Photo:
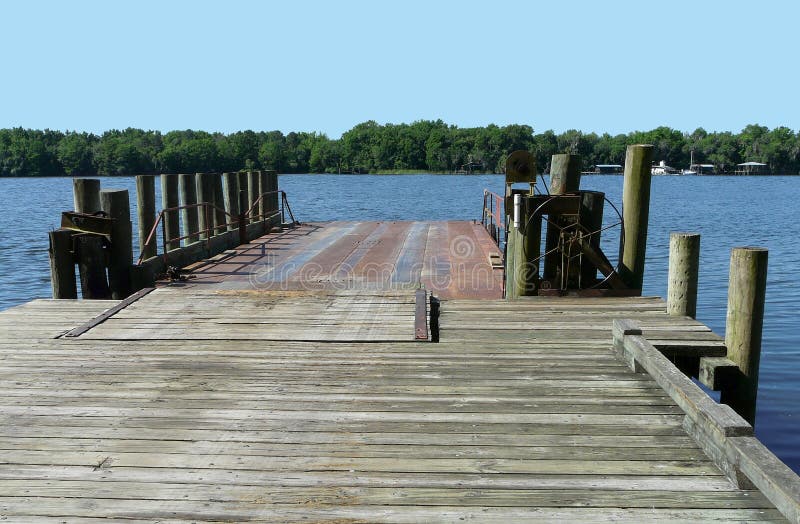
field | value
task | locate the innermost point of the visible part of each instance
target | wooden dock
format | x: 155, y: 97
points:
x: 284, y: 383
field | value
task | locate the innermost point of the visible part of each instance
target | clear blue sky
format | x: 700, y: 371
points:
x: 328, y: 65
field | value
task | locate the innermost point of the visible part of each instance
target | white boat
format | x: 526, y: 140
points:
x: 663, y: 169
x: 698, y: 169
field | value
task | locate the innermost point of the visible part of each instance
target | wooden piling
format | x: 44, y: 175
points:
x: 231, y: 197
x: 565, y: 174
x: 86, y: 195
x: 684, y: 265
x: 242, y: 222
x: 522, y: 251
x: 263, y: 187
x: 92, y: 267
x: 273, y: 200
x: 146, y: 212
x: 205, y: 194
x: 62, y: 264
x: 514, y: 252
x: 635, y: 213
x: 189, y: 215
x: 565, y: 177
x: 170, y: 199
x: 116, y: 203
x: 591, y: 221
x: 747, y: 288
x: 220, y: 219
x: 243, y: 183
x: 252, y: 193
x: 531, y: 247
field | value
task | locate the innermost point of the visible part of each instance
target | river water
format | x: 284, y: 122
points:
x: 726, y: 211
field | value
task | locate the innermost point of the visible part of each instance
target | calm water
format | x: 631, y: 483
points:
x: 727, y: 211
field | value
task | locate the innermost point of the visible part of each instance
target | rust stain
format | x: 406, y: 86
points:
x: 451, y: 260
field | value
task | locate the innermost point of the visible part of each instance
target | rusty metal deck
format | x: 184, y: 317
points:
x: 449, y: 259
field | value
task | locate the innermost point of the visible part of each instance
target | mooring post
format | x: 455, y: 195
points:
x: 62, y: 264
x: 205, y: 195
x: 92, y: 267
x: 747, y: 287
x: 219, y: 205
x: 242, y: 222
x: 243, y: 183
x: 684, y: 266
x: 116, y: 203
x: 272, y: 185
x: 520, y: 276
x: 522, y: 248
x: 635, y: 213
x: 169, y: 199
x: 591, y: 219
x: 231, y: 190
x: 514, y: 250
x: 86, y: 195
x: 565, y: 174
x: 531, y: 246
x: 253, y: 193
x: 565, y: 177
x: 146, y: 211
x: 188, y: 190
x: 263, y: 187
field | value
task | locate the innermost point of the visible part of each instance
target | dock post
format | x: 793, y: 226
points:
x: 635, y: 213
x: 684, y: 264
x: 565, y: 177
x: 116, y: 203
x: 188, y: 190
x: 219, y: 204
x: 242, y: 222
x: 231, y: 193
x: 205, y: 194
x: 244, y: 205
x: 62, y: 264
x: 521, y: 274
x: 86, y: 195
x: 531, y: 246
x: 514, y: 250
x: 591, y: 218
x: 169, y: 199
x: 565, y: 174
x: 263, y: 187
x: 273, y: 199
x: 92, y: 267
x: 522, y: 248
x: 253, y: 193
x: 146, y: 211
x: 747, y: 287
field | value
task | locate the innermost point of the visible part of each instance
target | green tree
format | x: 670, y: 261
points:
x: 74, y: 153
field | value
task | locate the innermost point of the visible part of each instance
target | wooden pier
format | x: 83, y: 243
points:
x: 284, y: 381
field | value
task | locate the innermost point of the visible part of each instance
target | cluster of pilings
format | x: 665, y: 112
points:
x: 530, y: 272
x: 736, y: 375
x: 201, y: 215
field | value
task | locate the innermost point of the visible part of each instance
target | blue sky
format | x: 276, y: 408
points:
x: 325, y: 66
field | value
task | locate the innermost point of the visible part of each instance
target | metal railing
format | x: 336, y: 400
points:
x: 209, y: 211
x: 492, y: 215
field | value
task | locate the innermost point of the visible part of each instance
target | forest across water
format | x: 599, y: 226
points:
x: 422, y: 146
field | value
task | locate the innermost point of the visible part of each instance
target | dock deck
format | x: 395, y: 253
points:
x: 292, y: 399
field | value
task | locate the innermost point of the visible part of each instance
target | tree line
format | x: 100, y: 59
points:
x: 425, y: 145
